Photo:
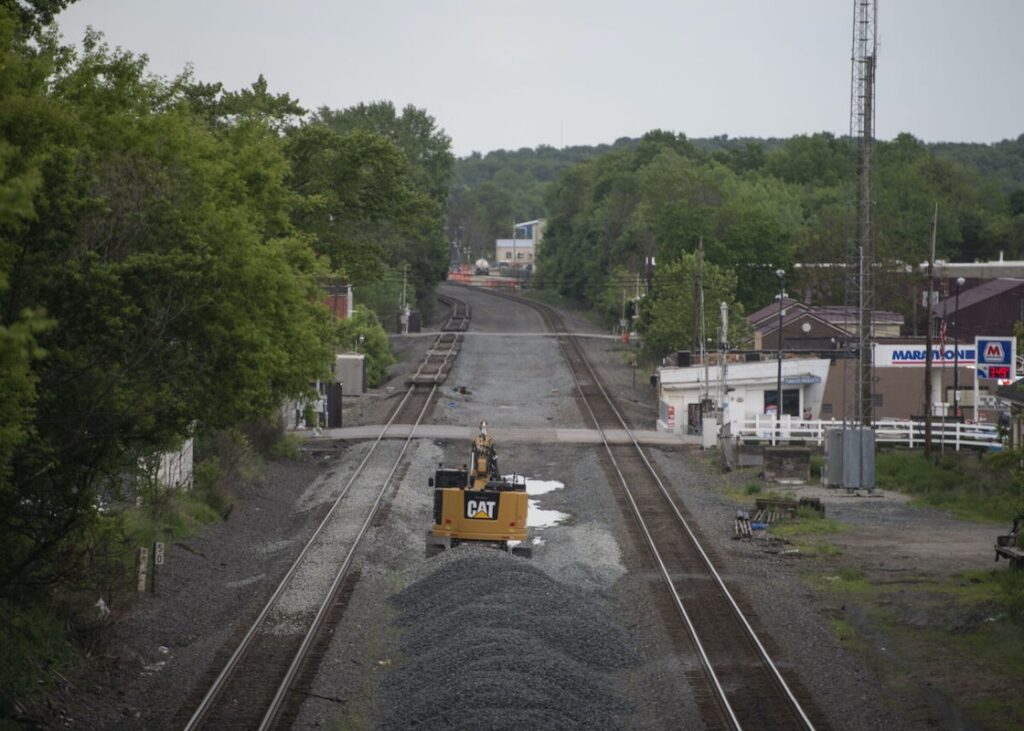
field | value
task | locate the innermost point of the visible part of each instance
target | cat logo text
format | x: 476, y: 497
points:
x: 481, y: 509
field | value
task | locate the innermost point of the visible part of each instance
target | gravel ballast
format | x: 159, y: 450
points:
x: 492, y: 642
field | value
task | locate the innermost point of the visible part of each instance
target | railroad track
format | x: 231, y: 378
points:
x: 255, y: 687
x: 458, y: 318
x: 439, y: 359
x: 743, y: 688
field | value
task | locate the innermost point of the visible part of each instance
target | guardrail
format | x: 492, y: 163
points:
x: 888, y: 431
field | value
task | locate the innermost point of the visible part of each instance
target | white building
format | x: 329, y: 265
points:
x: 521, y: 250
x: 749, y: 392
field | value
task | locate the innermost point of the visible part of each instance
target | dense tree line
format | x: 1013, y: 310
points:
x: 1003, y: 161
x: 163, y: 250
x: 758, y: 204
x: 757, y: 209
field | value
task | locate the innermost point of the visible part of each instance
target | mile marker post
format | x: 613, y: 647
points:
x: 158, y: 560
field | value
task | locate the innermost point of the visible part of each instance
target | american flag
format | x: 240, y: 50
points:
x: 942, y: 340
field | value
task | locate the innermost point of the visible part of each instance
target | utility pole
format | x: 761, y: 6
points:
x: 405, y: 303
x: 723, y: 357
x: 928, y: 342
x: 696, y: 342
x: 515, y: 256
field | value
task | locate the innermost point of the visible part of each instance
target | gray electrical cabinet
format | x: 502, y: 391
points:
x: 849, y: 458
x: 350, y: 369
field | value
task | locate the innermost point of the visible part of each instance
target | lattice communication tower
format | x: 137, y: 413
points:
x: 860, y: 253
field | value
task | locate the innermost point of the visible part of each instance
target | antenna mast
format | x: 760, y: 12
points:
x: 860, y: 280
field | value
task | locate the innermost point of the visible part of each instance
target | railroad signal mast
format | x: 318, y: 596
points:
x: 860, y: 254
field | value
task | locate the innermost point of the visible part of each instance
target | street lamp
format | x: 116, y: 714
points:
x: 956, y: 348
x: 781, y: 274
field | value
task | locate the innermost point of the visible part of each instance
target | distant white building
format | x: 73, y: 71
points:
x: 521, y: 250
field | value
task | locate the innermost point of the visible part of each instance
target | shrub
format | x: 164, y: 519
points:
x: 33, y: 645
x: 286, y: 447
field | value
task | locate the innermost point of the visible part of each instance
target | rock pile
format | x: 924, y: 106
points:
x: 492, y: 642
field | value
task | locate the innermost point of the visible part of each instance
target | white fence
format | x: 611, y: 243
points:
x: 887, y: 431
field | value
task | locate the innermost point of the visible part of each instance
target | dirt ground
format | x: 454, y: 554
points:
x: 874, y: 620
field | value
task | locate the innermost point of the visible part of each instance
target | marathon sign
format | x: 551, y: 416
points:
x: 997, y: 357
x: 916, y: 355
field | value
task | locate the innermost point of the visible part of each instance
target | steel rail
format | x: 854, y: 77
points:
x: 549, y: 314
x: 712, y: 571
x: 314, y: 629
x: 232, y: 662
x: 662, y: 568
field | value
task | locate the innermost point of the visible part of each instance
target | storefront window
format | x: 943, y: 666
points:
x: 790, y: 401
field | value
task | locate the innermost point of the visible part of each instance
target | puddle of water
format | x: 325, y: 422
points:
x: 537, y: 517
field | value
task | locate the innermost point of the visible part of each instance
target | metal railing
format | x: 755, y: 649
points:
x: 888, y: 431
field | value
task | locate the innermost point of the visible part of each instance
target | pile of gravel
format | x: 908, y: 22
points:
x: 492, y: 642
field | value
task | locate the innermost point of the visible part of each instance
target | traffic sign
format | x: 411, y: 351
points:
x: 996, y: 357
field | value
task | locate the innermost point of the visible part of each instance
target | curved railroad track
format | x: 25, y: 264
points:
x: 744, y: 686
x: 254, y: 687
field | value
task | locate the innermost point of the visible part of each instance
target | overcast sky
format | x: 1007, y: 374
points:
x: 519, y: 73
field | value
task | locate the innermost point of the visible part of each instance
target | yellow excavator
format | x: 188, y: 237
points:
x: 477, y: 505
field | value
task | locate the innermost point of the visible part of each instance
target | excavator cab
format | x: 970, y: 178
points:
x: 477, y: 505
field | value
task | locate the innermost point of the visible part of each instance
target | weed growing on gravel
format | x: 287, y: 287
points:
x: 829, y: 549
x: 752, y: 488
x: 846, y: 580
x: 808, y: 522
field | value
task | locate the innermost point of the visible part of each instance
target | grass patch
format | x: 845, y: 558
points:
x: 181, y: 513
x: 805, y: 533
x: 1002, y: 587
x: 987, y: 489
x: 808, y: 522
x: 752, y: 488
x: 844, y: 630
x: 822, y: 549
x: 846, y: 581
x: 817, y: 463
x: 968, y: 627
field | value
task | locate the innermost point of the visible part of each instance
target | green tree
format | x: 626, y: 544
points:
x: 660, y: 200
x: 666, y: 319
x: 363, y: 331
x: 162, y: 251
x: 376, y: 183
